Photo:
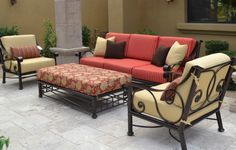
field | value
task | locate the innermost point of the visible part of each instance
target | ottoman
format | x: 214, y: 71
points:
x: 101, y: 89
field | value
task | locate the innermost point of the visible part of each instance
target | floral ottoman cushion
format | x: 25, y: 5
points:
x: 85, y: 79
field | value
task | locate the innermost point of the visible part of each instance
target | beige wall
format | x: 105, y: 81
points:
x: 164, y: 18
x: 128, y: 16
x: 95, y: 14
x: 28, y: 15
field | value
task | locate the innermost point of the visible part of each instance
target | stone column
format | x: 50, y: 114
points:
x: 68, y: 30
x: 232, y: 107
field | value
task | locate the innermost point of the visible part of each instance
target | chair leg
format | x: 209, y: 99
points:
x: 130, y: 125
x: 40, y: 90
x: 219, y: 121
x: 20, y: 82
x: 182, y: 140
x: 3, y: 77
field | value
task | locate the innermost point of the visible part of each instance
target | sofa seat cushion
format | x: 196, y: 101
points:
x: 169, y: 41
x: 93, y: 61
x: 125, y: 65
x: 30, y: 65
x: 150, y: 73
x: 170, y: 112
x: 142, y: 46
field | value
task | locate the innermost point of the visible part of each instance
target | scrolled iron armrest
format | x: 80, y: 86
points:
x: 80, y: 54
x: 141, y: 104
x: 55, y: 54
x: 169, y: 73
x: 19, y: 59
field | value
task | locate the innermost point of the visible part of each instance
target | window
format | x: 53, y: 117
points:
x: 212, y: 11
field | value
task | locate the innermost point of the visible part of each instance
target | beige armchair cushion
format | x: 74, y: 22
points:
x: 17, y: 41
x: 170, y: 112
x: 29, y: 65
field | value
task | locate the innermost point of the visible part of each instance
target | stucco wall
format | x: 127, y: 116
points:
x: 95, y: 14
x: 28, y: 15
x: 164, y: 18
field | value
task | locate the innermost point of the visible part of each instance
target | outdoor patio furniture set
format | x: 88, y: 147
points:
x: 176, y: 93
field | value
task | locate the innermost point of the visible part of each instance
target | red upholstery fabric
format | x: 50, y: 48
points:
x: 169, y: 41
x: 93, y: 61
x: 120, y: 37
x: 142, y: 46
x: 149, y: 72
x: 124, y: 65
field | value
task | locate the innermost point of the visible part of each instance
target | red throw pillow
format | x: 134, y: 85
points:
x: 25, y: 52
x: 168, y: 95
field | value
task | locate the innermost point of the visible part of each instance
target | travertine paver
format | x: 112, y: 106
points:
x: 46, y: 124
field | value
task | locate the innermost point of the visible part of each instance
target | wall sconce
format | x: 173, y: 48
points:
x: 168, y: 1
x: 13, y: 2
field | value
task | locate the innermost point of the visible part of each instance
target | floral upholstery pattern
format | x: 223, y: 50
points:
x: 85, y: 79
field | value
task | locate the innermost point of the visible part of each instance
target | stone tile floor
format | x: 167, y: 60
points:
x: 45, y: 124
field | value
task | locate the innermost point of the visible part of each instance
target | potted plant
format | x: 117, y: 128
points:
x: 4, y: 142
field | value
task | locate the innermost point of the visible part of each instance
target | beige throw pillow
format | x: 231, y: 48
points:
x: 176, y: 53
x: 101, y: 46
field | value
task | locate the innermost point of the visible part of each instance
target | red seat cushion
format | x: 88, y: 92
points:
x: 124, y: 65
x: 93, y: 61
x: 169, y: 41
x: 142, y: 46
x: 149, y: 72
x: 120, y: 37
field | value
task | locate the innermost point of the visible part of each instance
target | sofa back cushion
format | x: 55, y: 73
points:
x: 120, y: 37
x: 169, y: 41
x: 17, y: 41
x: 142, y: 46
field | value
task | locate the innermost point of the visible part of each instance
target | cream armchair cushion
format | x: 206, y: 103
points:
x: 172, y: 113
x: 17, y: 41
x: 30, y: 65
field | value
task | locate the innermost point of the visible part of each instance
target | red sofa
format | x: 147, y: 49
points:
x: 138, y: 52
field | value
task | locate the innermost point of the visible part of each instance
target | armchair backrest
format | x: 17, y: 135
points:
x: 208, y: 74
x: 17, y: 41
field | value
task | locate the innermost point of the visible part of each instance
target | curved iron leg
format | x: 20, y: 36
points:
x: 3, y: 77
x: 182, y: 140
x: 219, y: 121
x: 130, y: 125
x: 40, y: 90
x: 20, y: 82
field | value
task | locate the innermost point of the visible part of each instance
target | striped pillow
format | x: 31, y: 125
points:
x: 25, y: 52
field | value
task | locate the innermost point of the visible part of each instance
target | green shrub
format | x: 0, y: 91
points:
x: 49, y: 39
x: 215, y: 46
x: 147, y: 31
x: 4, y: 141
x: 86, y: 33
x: 9, y: 31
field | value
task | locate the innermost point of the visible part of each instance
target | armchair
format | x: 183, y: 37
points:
x: 18, y: 65
x: 198, y: 95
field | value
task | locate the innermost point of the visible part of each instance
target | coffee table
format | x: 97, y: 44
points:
x: 94, y: 89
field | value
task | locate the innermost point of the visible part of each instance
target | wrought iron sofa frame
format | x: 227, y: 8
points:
x: 192, y: 96
x: 17, y: 72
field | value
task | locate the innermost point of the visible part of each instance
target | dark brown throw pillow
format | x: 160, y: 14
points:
x: 25, y: 52
x: 115, y: 50
x: 169, y: 94
x: 160, y: 55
